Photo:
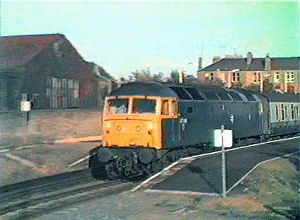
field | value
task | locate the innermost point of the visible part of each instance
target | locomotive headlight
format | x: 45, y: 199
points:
x: 107, y: 127
x: 118, y: 128
x: 149, y: 127
x: 138, y: 128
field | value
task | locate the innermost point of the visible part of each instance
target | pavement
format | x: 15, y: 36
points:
x: 204, y: 175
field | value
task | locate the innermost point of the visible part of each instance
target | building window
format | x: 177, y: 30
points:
x: 236, y: 77
x: 259, y: 77
x: 282, y: 112
x: 211, y: 76
x: 255, y: 77
x: 277, y: 76
x: 292, y: 76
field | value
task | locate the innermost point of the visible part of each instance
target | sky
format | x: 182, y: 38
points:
x: 126, y: 36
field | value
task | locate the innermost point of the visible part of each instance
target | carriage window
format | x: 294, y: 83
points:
x: 165, y: 107
x: 282, y: 112
x: 277, y: 113
x: 117, y: 106
x: 143, y: 106
x: 292, y: 111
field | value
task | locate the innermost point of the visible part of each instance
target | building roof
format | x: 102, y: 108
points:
x: 16, y: 51
x: 257, y: 64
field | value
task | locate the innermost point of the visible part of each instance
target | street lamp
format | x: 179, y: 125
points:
x: 181, y: 73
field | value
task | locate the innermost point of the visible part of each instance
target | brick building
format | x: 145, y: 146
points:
x: 282, y: 72
x: 48, y: 70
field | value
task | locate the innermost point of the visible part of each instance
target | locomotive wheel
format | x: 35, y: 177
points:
x: 127, y: 167
x: 111, y: 171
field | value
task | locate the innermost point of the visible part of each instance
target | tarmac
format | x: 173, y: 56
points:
x: 203, y: 175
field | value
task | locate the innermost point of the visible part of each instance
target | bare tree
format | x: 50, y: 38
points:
x: 146, y: 75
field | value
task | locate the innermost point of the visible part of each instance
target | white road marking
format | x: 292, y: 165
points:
x: 154, y: 176
x: 180, y: 192
x: 20, y: 148
x: 214, y: 194
x: 21, y: 160
x: 79, y: 161
x: 3, y: 151
x: 203, y: 155
x: 257, y: 165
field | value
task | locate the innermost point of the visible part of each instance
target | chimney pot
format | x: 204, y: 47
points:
x: 249, y: 59
x: 199, y: 63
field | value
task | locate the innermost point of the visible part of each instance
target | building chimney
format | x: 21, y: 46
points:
x: 267, y: 62
x: 216, y: 59
x: 199, y: 63
x: 249, y: 59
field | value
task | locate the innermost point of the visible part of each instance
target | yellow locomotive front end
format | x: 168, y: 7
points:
x: 136, y: 121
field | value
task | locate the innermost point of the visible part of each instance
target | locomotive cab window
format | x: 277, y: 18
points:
x: 117, y: 106
x: 143, y: 106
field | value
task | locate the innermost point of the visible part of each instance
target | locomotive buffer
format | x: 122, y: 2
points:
x: 223, y: 139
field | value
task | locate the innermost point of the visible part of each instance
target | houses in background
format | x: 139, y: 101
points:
x: 47, y: 70
x: 283, y: 73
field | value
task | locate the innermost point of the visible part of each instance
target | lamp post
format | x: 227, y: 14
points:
x: 182, y: 72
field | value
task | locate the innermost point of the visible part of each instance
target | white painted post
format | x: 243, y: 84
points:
x: 223, y: 164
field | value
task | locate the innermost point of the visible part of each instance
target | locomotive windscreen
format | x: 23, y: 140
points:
x: 143, y: 106
x: 139, y: 106
x: 118, y: 106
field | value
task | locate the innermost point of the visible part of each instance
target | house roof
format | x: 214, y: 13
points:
x: 16, y: 51
x: 257, y: 64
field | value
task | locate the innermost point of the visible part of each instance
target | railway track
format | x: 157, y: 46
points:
x: 32, y: 198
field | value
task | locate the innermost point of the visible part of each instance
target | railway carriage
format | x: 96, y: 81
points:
x: 147, y: 125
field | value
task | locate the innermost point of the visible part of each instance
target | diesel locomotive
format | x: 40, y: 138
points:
x: 147, y: 125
